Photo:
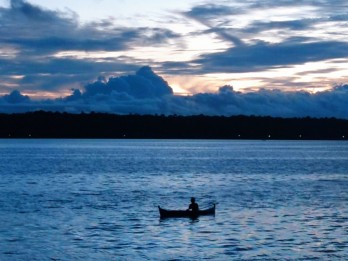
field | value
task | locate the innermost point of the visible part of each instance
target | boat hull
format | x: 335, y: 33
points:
x: 164, y: 213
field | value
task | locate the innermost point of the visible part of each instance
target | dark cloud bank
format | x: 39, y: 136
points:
x: 32, y: 37
x: 147, y: 93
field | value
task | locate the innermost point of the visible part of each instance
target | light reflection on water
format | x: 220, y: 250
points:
x: 97, y: 199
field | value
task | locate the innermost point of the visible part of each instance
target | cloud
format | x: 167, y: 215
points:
x: 144, y: 92
x: 32, y: 39
x: 45, y: 50
x: 292, y: 25
x: 210, y: 10
x: 16, y: 97
x: 34, y: 30
x: 144, y: 84
x: 278, y: 40
x: 264, y: 56
x: 207, y: 13
x: 147, y: 93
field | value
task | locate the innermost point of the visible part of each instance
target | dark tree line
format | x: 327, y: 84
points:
x: 102, y: 125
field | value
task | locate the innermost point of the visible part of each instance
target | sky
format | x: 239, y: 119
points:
x: 255, y: 57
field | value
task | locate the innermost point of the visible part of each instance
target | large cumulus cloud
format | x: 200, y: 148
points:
x: 145, y: 92
x: 144, y: 84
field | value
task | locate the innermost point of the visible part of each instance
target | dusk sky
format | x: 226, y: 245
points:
x: 278, y: 58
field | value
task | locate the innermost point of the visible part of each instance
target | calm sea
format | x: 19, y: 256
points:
x: 97, y: 199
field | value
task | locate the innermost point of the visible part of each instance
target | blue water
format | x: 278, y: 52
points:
x: 96, y: 200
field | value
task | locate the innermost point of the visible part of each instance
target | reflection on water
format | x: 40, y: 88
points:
x: 97, y: 200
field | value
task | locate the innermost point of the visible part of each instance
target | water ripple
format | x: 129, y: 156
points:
x: 97, y: 200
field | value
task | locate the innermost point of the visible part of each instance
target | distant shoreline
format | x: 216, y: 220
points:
x: 43, y: 124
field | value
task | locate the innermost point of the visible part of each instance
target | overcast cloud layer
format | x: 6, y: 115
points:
x: 50, y: 52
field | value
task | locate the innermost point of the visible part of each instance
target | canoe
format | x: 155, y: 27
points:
x: 164, y: 213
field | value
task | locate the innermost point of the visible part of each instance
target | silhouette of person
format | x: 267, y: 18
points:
x: 193, y: 206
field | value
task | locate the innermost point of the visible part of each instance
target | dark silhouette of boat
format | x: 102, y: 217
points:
x: 164, y: 213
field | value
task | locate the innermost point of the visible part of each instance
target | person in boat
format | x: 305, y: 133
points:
x: 193, y: 206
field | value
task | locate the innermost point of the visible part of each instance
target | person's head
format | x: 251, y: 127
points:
x: 193, y: 200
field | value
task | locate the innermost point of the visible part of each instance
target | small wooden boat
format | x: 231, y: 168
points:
x: 164, y: 213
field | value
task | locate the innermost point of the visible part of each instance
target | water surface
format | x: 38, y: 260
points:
x: 96, y: 199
